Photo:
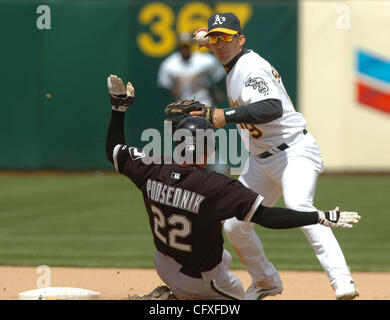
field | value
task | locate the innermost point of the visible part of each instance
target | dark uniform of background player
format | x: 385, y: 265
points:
x: 187, y: 232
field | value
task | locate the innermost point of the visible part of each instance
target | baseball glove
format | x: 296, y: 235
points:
x: 180, y: 109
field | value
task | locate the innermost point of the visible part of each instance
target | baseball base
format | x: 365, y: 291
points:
x: 59, y: 293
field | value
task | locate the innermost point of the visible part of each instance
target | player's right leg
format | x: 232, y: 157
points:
x: 223, y: 284
x: 299, y: 182
x: 247, y: 245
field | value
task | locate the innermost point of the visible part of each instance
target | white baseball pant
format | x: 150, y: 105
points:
x: 292, y: 173
x: 217, y: 284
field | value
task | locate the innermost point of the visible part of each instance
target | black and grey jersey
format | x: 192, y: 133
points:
x: 186, y: 206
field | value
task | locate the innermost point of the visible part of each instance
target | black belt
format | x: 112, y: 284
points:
x: 282, y: 147
x: 191, y: 273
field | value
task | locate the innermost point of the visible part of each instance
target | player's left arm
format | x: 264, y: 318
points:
x: 258, y: 112
x: 246, y: 205
x: 284, y: 218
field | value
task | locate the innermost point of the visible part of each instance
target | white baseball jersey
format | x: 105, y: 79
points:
x: 253, y: 79
x: 198, y: 73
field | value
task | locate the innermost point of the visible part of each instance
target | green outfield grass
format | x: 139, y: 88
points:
x: 98, y: 220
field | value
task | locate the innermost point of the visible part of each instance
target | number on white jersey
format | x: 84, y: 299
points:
x: 254, y: 131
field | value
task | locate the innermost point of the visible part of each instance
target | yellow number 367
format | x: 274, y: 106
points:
x: 161, y: 38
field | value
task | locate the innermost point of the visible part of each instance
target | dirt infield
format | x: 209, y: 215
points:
x: 118, y: 284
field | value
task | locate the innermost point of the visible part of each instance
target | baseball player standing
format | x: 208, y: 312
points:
x: 284, y: 158
x: 188, y: 75
x: 185, y: 215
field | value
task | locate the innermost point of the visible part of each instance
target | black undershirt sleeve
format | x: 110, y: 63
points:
x: 283, y: 218
x: 115, y: 134
x: 255, y: 113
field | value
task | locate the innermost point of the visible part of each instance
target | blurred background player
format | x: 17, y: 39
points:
x: 188, y: 74
x: 284, y: 158
x: 185, y: 216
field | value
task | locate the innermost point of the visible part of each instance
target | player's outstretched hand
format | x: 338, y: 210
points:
x: 338, y: 219
x: 121, y: 96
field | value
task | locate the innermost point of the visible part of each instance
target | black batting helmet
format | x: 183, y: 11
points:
x: 194, y: 138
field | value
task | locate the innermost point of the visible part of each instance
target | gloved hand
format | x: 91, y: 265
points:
x: 338, y: 219
x: 121, y: 96
x: 178, y: 110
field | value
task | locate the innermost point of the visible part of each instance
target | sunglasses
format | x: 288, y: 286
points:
x: 223, y: 37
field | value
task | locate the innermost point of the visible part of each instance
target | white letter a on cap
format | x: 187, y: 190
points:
x: 218, y: 19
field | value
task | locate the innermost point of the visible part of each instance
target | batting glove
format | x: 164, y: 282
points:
x: 338, y: 219
x: 121, y: 96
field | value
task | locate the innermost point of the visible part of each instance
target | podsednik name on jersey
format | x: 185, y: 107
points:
x: 174, y: 197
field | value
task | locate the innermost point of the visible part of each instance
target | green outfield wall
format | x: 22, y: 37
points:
x: 54, y: 62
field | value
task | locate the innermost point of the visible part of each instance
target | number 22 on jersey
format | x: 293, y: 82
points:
x: 182, y: 227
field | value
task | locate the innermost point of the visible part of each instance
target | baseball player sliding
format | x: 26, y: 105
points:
x: 284, y: 158
x: 185, y: 215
